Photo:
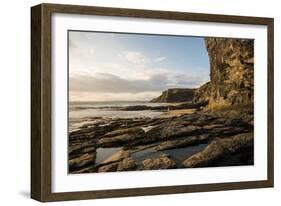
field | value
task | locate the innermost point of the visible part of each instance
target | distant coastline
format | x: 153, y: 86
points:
x: 84, y: 112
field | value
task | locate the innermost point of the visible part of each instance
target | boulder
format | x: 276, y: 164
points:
x: 179, y: 129
x: 117, y: 156
x: 88, y: 169
x: 78, y: 150
x: 81, y: 161
x: 162, y: 162
x: 221, y: 150
x: 108, y: 168
x: 119, y: 132
x: 126, y: 164
x: 187, y: 141
x: 123, y: 137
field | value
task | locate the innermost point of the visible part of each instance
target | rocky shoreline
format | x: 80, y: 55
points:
x: 182, y: 105
x: 202, y: 139
x: 212, y: 126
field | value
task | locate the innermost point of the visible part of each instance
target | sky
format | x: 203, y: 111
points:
x: 133, y: 67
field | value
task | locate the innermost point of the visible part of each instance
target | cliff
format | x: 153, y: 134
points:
x: 231, y: 72
x: 176, y: 95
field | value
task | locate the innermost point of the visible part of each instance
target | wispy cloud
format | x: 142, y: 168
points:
x: 111, y: 96
x: 104, y: 86
x: 136, y: 57
x: 104, y: 82
x: 159, y: 59
x: 139, y: 58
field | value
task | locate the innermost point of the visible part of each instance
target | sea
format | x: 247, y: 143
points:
x: 87, y: 112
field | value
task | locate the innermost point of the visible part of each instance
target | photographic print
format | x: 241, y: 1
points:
x: 130, y: 102
x: 150, y: 102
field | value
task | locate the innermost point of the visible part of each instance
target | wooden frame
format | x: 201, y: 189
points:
x: 41, y: 102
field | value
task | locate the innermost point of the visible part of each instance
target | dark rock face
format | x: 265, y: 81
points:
x: 228, y: 151
x: 184, y: 142
x: 176, y: 95
x: 121, y: 137
x: 231, y: 72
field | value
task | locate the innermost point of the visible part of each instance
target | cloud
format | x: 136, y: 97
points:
x: 109, y: 83
x: 104, y: 83
x: 94, y: 96
x: 135, y: 57
x: 110, y: 87
x: 192, y: 80
x: 159, y: 59
x: 139, y: 58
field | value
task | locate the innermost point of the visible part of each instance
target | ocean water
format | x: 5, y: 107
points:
x: 84, y: 112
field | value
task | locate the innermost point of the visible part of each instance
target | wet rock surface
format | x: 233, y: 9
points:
x: 230, y: 151
x: 81, y: 162
x: 145, y: 142
x: 179, y: 143
x: 108, y: 168
x: 162, y: 162
x: 126, y: 164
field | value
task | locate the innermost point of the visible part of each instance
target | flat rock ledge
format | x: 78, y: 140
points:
x: 225, y: 150
x: 162, y: 162
x: 227, y: 134
x: 127, y: 164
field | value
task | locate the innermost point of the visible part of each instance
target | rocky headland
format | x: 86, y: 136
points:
x: 176, y: 95
x: 218, y: 131
x: 231, y: 73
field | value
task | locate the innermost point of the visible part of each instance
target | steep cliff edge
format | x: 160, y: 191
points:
x: 176, y: 95
x: 231, y: 73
